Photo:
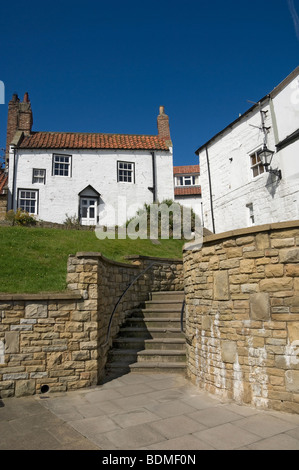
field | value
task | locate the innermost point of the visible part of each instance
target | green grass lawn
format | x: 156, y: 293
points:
x: 34, y: 260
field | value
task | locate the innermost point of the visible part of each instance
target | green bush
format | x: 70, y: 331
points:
x: 72, y: 222
x: 20, y: 217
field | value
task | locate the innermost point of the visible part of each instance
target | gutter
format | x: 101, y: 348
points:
x: 210, y: 190
x: 288, y: 140
x: 13, y: 179
x: 153, y: 189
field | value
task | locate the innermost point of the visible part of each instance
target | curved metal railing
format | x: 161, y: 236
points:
x: 124, y: 293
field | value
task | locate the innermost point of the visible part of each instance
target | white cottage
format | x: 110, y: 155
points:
x: 239, y: 188
x: 187, y: 190
x: 55, y: 175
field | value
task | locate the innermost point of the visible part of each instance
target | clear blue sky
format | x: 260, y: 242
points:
x: 99, y: 66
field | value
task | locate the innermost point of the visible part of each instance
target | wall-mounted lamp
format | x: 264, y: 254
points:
x: 266, y: 156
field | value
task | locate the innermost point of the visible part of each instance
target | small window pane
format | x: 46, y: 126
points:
x: 125, y: 172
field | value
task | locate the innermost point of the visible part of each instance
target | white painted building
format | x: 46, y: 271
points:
x: 187, y: 190
x: 98, y: 178
x: 237, y: 190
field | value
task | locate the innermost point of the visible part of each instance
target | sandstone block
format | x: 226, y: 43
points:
x: 259, y: 306
x: 24, y: 388
x: 206, y: 322
x: 228, y: 351
x: 262, y: 241
x: 12, y: 342
x: 229, y: 264
x: 274, y: 270
x: 247, y: 266
x: 293, y: 331
x: 289, y: 255
x: 221, y: 286
x: 244, y: 240
x: 36, y: 310
x: 292, y: 380
x: 275, y: 285
x: 282, y: 242
x: 292, y: 270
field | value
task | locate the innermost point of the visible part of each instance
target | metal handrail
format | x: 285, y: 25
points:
x: 182, y: 316
x: 122, y: 295
x: 125, y: 291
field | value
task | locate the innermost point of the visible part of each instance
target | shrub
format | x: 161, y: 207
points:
x: 20, y: 217
x: 72, y: 221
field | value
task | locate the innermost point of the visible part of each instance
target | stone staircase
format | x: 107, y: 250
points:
x: 151, y: 338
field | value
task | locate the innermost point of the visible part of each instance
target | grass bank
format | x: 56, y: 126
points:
x: 35, y: 259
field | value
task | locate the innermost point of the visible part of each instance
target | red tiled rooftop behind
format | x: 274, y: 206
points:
x: 71, y: 140
x: 187, y: 191
x: 187, y: 169
x: 3, y: 180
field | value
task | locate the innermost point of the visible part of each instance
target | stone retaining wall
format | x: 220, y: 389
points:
x: 111, y: 280
x: 3, y: 206
x: 60, y: 340
x: 242, y: 315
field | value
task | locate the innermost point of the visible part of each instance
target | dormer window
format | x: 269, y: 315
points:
x: 187, y: 180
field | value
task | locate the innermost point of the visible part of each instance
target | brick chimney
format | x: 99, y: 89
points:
x: 163, y: 124
x: 19, y: 118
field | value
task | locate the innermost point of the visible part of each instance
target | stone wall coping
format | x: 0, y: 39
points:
x: 91, y: 254
x: 42, y: 296
x: 153, y: 258
x: 94, y: 254
x: 249, y: 231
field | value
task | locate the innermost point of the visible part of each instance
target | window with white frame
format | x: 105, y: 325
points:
x: 250, y: 213
x: 126, y: 172
x: 27, y: 200
x: 39, y: 176
x: 62, y: 165
x: 257, y: 167
x: 187, y: 180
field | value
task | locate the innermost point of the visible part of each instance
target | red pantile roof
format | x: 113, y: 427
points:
x: 3, y: 180
x: 187, y: 191
x: 74, y: 140
x: 186, y: 170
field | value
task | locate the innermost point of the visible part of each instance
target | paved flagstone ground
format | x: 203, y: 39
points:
x: 141, y: 411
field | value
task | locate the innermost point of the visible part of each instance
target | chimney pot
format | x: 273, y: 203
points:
x: 163, y: 124
x: 26, y: 97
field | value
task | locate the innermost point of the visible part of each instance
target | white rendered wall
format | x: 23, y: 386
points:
x: 193, y: 202
x: 233, y: 186
x: 60, y: 195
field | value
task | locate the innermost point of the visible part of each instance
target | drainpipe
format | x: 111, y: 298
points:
x: 154, y: 188
x: 13, y: 179
x: 210, y: 189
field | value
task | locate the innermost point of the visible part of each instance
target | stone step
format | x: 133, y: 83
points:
x: 163, y: 304
x: 153, y: 355
x: 153, y: 322
x: 168, y: 295
x: 156, y: 313
x: 151, y: 338
x: 117, y: 369
x: 163, y: 308
x: 157, y: 343
x: 151, y: 333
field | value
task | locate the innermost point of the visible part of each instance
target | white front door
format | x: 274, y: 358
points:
x: 88, y: 210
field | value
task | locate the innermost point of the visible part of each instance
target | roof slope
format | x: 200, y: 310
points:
x: 3, y: 180
x: 271, y: 95
x: 186, y: 170
x: 76, y: 140
x: 187, y: 191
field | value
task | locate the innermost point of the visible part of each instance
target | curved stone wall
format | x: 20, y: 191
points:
x: 242, y: 315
